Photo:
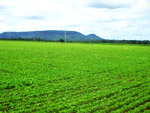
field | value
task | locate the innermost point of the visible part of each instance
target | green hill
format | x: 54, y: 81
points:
x: 50, y: 35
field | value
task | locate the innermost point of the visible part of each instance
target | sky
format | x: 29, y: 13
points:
x: 109, y: 19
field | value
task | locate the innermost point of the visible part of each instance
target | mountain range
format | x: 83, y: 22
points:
x: 51, y: 35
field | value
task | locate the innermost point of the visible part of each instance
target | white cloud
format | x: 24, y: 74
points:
x: 2, y: 17
x: 113, y: 19
x: 111, y: 4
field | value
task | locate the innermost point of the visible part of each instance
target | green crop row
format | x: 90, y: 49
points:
x: 73, y: 77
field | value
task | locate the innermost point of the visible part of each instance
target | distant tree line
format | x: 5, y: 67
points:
x: 83, y: 41
x: 125, y: 41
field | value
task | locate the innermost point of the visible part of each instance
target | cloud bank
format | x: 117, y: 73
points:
x: 111, y: 4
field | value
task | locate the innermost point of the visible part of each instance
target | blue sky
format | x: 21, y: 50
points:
x: 109, y: 19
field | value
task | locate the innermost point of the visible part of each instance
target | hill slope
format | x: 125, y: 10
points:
x: 50, y: 35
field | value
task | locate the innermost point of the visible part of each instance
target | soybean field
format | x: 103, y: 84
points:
x: 74, y: 77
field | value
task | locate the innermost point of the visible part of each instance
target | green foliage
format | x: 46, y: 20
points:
x: 74, y: 77
x: 61, y: 40
x: 142, y: 42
